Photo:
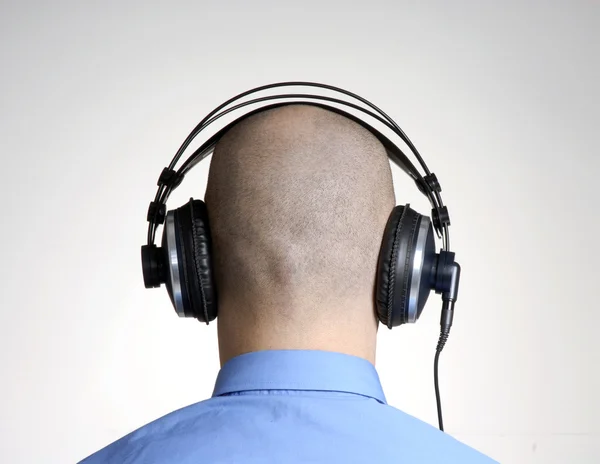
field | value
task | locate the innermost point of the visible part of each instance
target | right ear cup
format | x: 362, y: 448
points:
x: 406, y: 266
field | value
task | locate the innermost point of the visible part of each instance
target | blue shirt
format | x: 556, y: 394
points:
x: 290, y: 406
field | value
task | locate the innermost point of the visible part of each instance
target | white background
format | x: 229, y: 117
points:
x: 501, y: 98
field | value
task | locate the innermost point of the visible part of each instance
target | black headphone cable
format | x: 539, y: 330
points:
x: 445, y: 324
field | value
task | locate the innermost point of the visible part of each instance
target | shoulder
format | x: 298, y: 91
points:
x: 154, y: 440
x: 333, y: 425
x: 419, y: 441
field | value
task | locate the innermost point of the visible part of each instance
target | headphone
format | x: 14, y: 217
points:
x: 408, y: 267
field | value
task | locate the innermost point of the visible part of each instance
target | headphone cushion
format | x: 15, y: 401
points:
x: 199, y: 292
x: 395, y: 266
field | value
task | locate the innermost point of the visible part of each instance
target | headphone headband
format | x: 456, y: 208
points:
x: 394, y: 153
x: 427, y: 184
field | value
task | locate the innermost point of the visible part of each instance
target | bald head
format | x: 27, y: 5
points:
x: 298, y: 198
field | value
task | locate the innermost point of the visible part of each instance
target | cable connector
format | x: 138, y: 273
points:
x: 447, y: 276
x: 445, y: 324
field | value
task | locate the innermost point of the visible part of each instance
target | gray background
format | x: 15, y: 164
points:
x: 502, y: 100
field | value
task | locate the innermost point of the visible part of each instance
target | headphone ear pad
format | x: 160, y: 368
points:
x: 194, y: 240
x: 406, y: 233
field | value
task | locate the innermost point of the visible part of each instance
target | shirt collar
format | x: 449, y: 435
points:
x: 299, y: 370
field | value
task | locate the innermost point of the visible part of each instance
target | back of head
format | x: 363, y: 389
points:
x: 298, y: 198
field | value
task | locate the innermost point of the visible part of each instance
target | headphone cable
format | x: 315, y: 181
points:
x: 445, y: 323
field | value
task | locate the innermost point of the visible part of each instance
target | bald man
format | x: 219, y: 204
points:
x: 298, y: 198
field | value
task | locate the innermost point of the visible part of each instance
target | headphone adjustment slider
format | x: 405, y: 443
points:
x: 156, y: 212
x: 431, y: 181
x: 169, y: 178
x: 440, y: 217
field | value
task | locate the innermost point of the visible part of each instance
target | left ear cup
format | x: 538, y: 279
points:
x: 194, y: 247
x: 405, y: 268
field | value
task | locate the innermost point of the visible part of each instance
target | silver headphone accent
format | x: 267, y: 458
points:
x: 173, y: 264
x: 418, y: 259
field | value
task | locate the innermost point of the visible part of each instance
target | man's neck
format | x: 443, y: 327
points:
x: 238, y: 337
